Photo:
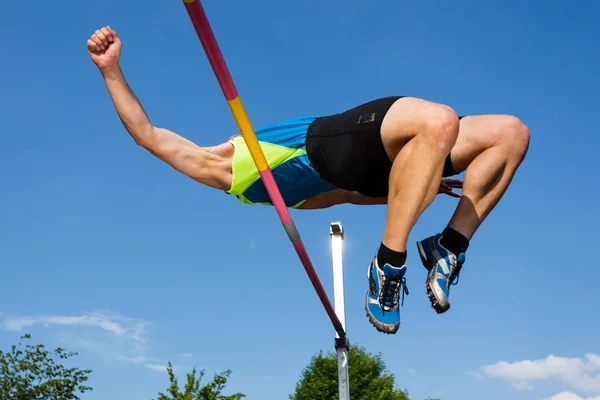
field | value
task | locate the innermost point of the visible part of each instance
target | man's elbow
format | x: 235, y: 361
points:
x: 147, y: 137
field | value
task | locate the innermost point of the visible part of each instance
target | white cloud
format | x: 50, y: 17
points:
x: 103, y: 333
x: 187, y: 355
x: 581, y: 374
x: 114, y: 324
x: 19, y: 323
x: 570, y: 396
x: 136, y: 359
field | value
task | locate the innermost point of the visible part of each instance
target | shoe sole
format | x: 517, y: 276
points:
x: 435, y: 304
x: 374, y: 323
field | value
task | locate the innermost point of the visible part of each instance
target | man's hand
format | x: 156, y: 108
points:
x: 105, y: 48
x: 447, y: 185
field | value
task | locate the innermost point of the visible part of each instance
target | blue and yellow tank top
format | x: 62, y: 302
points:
x: 284, y: 146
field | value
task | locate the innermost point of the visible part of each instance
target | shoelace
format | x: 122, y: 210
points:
x: 390, y: 293
x: 455, y: 273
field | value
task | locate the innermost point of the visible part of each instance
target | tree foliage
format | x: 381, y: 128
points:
x: 369, y: 379
x: 31, y: 373
x: 194, y: 390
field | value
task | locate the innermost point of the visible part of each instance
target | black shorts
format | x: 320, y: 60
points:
x: 347, y: 150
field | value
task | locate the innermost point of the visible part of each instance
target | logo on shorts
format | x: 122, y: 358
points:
x: 369, y: 117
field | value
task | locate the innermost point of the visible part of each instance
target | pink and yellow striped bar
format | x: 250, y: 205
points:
x: 215, y: 57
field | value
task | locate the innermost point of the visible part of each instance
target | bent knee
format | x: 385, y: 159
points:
x: 515, y: 135
x: 411, y: 117
x: 442, y: 126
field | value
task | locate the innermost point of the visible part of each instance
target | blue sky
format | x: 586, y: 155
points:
x: 109, y: 252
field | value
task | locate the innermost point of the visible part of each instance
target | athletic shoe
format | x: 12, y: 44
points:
x: 444, y: 267
x: 385, y: 285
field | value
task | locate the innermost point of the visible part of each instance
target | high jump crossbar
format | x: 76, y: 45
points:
x: 217, y: 62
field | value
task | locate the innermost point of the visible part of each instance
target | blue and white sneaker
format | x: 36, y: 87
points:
x: 385, y: 285
x: 444, y: 267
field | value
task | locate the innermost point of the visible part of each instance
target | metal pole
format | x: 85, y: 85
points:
x: 342, y: 345
x: 215, y: 57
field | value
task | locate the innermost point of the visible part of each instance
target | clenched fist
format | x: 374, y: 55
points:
x: 105, y: 48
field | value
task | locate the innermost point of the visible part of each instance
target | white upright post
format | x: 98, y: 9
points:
x: 341, y: 344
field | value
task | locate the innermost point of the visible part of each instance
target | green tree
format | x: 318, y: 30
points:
x: 194, y: 390
x: 31, y: 373
x: 369, y: 379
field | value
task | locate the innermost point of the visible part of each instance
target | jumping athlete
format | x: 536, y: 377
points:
x: 392, y: 150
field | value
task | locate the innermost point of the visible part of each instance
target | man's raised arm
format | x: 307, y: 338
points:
x: 198, y: 163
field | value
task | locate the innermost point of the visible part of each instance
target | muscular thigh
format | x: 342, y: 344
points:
x: 410, y: 116
x: 354, y: 149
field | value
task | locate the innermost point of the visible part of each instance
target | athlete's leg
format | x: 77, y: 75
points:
x: 418, y: 136
x: 489, y: 148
